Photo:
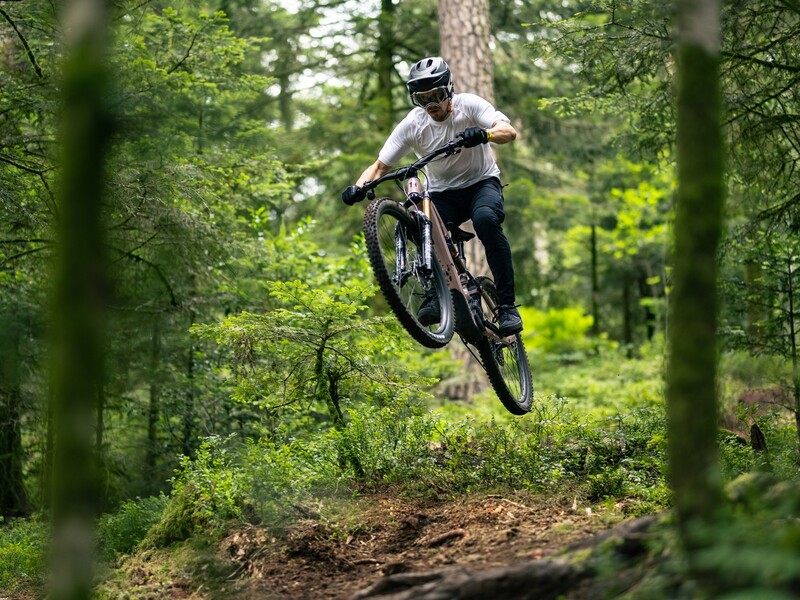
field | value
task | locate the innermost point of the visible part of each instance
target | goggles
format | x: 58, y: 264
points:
x: 434, y: 96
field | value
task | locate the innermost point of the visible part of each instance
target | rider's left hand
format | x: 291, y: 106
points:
x: 473, y: 136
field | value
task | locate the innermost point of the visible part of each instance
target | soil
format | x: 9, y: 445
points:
x: 338, y: 550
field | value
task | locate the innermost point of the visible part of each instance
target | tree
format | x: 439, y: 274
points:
x: 464, y: 39
x: 768, y: 297
x: 315, y: 348
x: 691, y: 378
x: 79, y: 296
x: 464, y: 36
x: 13, y: 495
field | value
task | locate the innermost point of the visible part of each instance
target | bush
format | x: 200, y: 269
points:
x: 557, y: 332
x: 23, y: 546
x: 121, y: 532
x: 206, y: 492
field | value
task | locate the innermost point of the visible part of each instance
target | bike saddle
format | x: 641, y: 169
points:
x: 459, y: 235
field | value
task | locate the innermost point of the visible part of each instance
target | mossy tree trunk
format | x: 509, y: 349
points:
x: 691, y: 378
x: 78, y: 299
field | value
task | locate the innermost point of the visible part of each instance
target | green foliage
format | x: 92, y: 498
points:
x: 206, y: 493
x: 317, y: 345
x: 752, y: 550
x: 557, y: 332
x: 607, y: 384
x: 23, y: 549
x: 121, y: 531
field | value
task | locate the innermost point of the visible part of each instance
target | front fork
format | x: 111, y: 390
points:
x: 424, y: 221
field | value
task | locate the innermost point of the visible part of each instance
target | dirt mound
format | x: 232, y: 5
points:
x: 318, y: 560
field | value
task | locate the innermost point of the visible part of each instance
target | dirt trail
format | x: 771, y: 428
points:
x: 396, y: 535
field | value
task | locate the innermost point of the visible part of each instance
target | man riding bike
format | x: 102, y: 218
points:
x: 463, y: 186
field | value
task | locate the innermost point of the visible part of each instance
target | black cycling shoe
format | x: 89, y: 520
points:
x: 508, y: 320
x: 429, y: 312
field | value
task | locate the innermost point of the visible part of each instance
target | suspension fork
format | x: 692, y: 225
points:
x: 416, y: 196
x: 427, y: 242
x: 399, y: 251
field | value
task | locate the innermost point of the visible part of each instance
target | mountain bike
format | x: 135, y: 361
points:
x: 416, y: 258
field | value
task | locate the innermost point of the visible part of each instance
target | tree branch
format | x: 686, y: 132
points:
x: 22, y: 39
x: 136, y: 258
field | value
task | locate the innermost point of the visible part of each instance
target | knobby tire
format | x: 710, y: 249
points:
x: 406, y: 291
x: 506, y: 363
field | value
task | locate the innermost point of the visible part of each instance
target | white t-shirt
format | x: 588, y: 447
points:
x: 419, y: 133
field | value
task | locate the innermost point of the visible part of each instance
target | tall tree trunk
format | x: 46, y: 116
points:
x: 464, y: 36
x: 691, y: 376
x: 386, y: 44
x: 154, y: 408
x: 188, y: 441
x: 13, y: 497
x: 627, y: 315
x: 793, y: 342
x: 595, y: 284
x: 80, y: 286
x: 647, y: 293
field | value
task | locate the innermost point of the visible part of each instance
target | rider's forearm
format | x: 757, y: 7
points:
x: 501, y: 133
x: 372, y: 172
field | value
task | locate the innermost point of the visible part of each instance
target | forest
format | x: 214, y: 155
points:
x: 204, y: 394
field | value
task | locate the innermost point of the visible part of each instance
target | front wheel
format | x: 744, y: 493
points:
x: 505, y: 360
x: 395, y: 252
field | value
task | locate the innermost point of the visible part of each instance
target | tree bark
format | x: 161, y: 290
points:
x: 386, y: 44
x: 154, y: 408
x: 79, y: 297
x: 691, y: 377
x: 464, y: 36
x: 13, y: 496
x: 188, y: 441
x: 595, y: 284
x: 627, y: 315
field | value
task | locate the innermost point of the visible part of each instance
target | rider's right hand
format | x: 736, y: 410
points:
x: 353, y: 194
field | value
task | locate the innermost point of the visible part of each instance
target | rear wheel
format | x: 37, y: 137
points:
x: 395, y: 252
x: 505, y: 360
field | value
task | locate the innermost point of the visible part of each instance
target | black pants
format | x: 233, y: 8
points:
x: 483, y: 203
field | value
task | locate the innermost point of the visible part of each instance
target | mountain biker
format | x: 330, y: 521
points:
x: 464, y: 186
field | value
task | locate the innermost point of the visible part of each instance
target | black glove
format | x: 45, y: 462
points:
x: 473, y: 136
x: 353, y: 194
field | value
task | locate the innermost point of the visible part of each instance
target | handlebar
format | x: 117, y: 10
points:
x: 450, y: 148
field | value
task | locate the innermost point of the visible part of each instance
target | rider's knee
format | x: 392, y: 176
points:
x: 485, y: 219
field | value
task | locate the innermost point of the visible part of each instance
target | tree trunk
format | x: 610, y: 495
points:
x: 154, y: 408
x: 188, y: 441
x: 327, y: 392
x: 647, y: 293
x: 385, y: 64
x: 627, y: 316
x: 793, y: 346
x: 691, y: 376
x: 595, y: 285
x: 464, y: 36
x: 13, y: 497
x: 79, y: 297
